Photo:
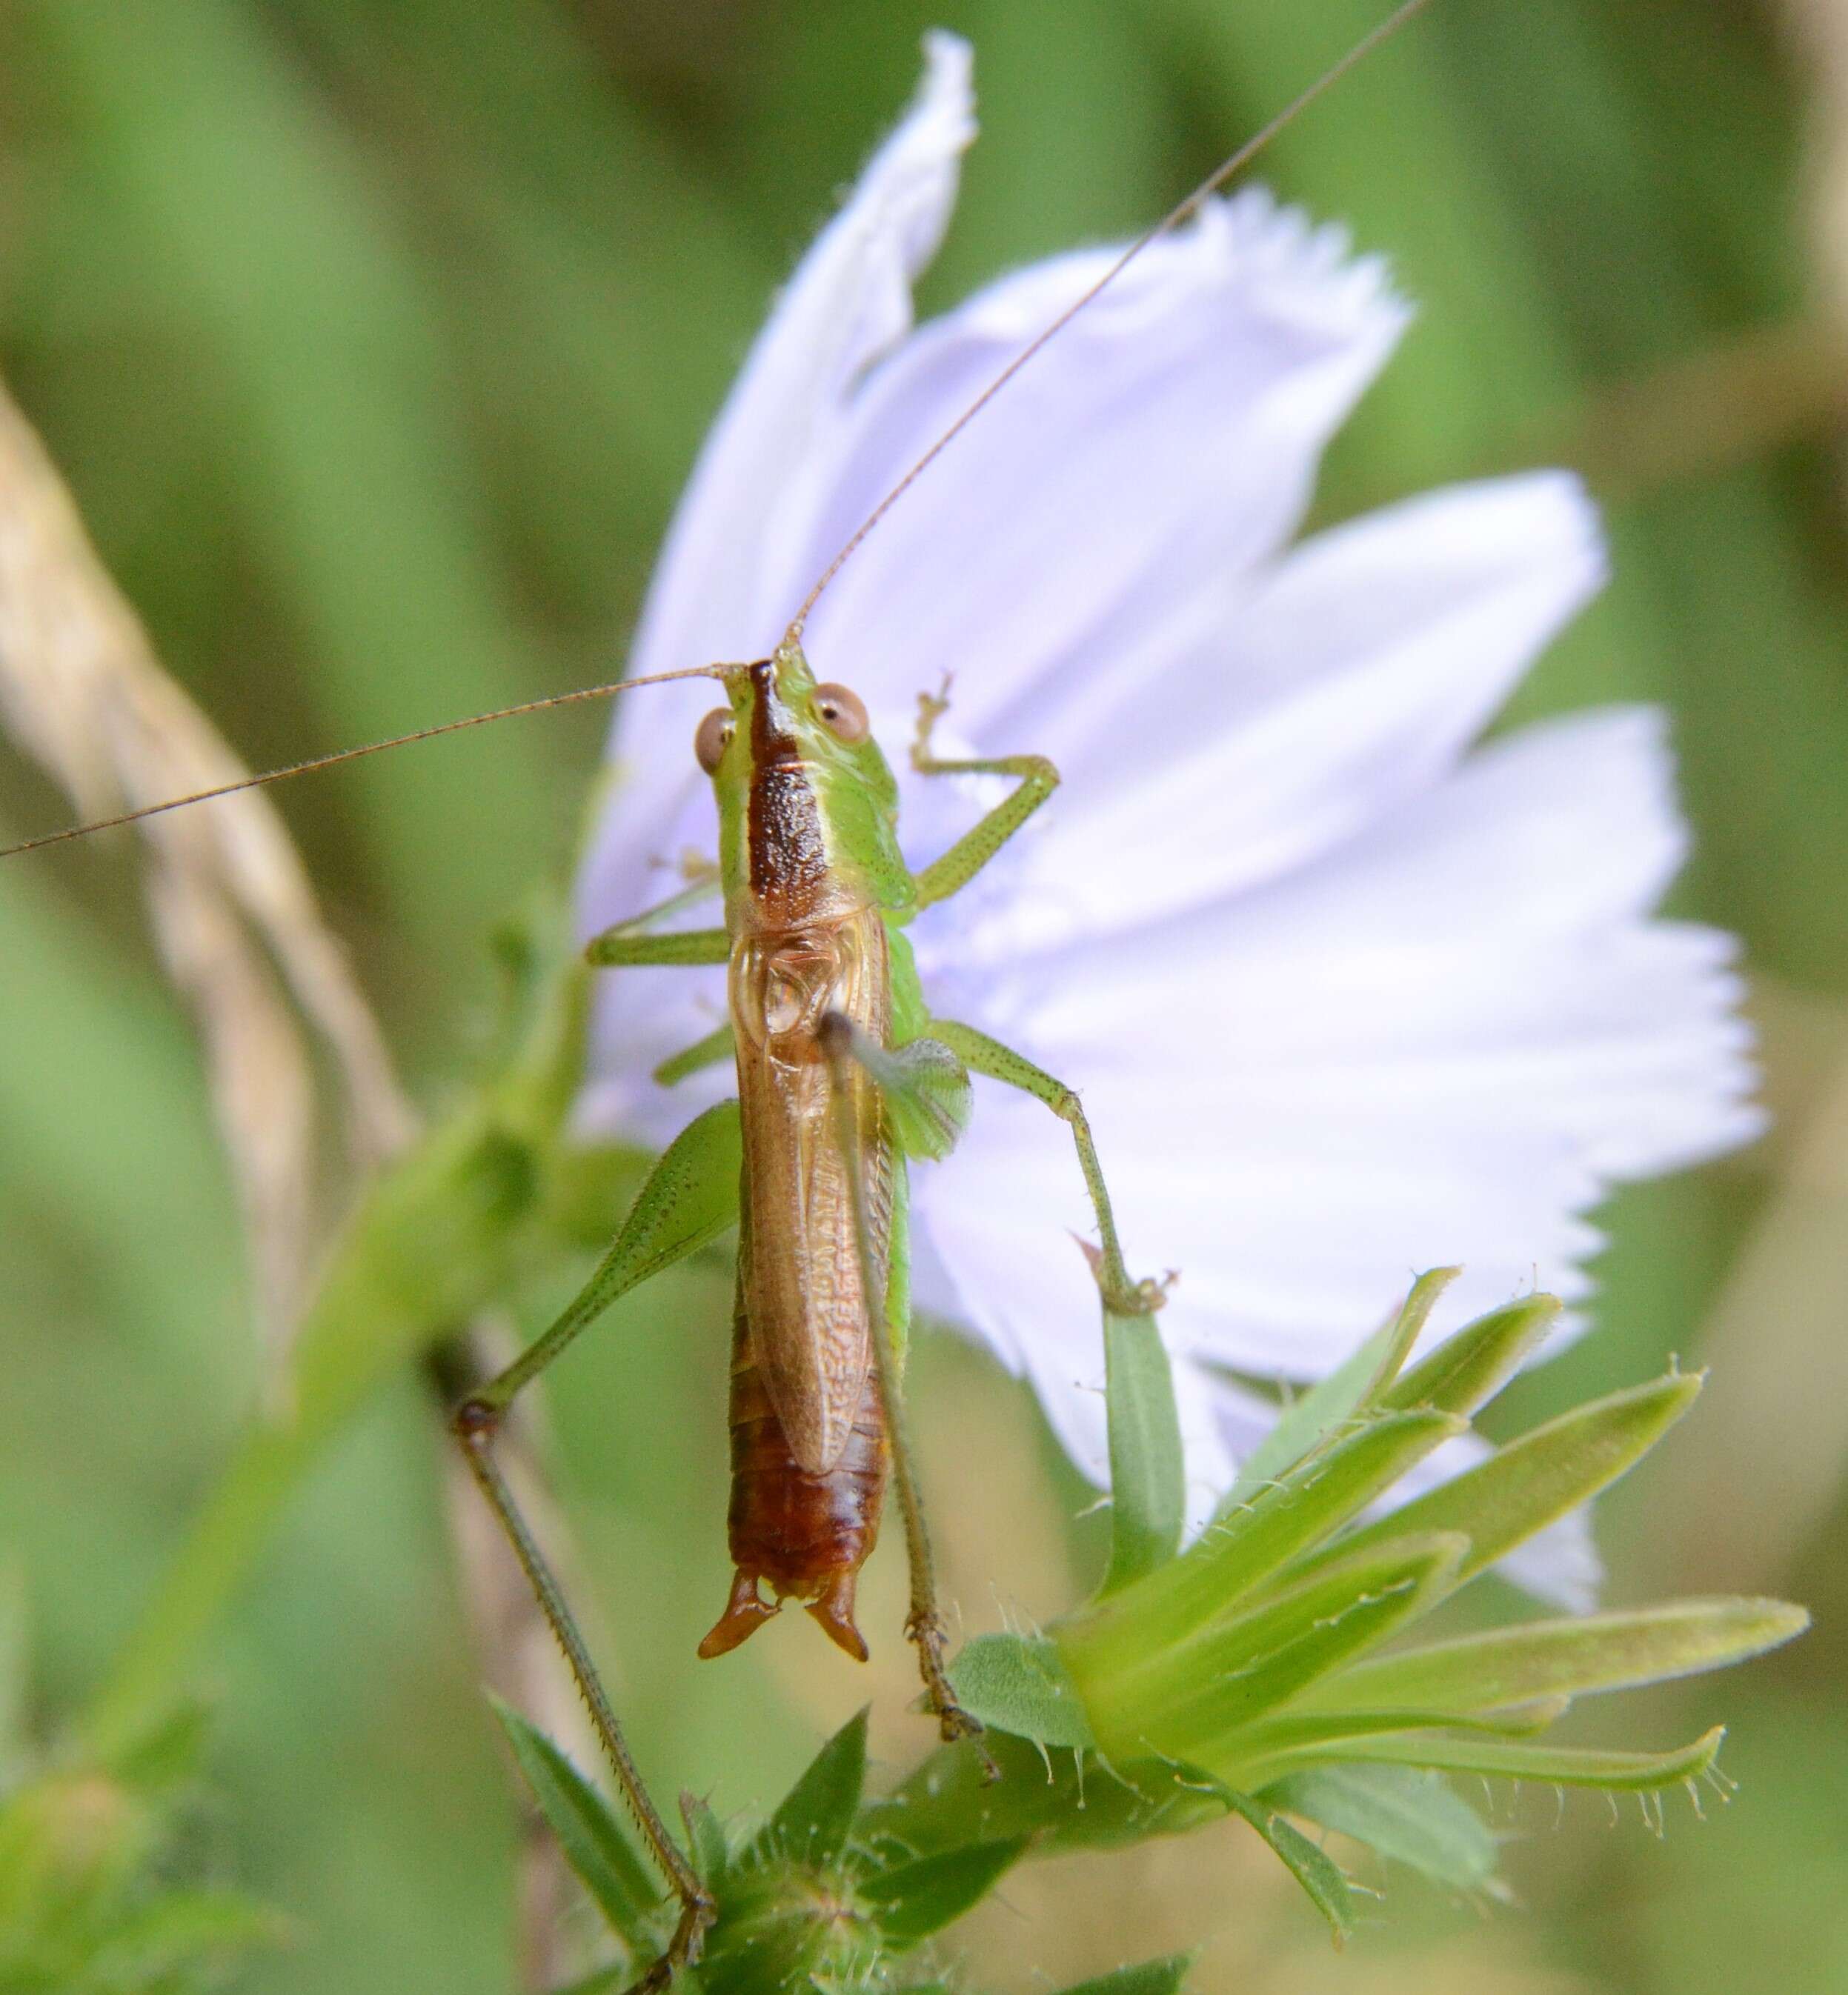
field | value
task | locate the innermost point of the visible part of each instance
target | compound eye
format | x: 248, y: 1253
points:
x: 713, y: 737
x: 842, y: 713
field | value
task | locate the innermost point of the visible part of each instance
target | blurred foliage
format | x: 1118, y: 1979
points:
x: 376, y: 337
x: 100, y: 1857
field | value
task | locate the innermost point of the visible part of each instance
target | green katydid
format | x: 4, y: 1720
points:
x: 844, y: 1078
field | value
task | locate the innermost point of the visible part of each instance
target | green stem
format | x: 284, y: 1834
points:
x: 435, y: 1237
x: 431, y: 1243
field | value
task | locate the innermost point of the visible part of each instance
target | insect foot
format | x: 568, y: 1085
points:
x: 684, y: 1949
x: 953, y: 1723
x: 475, y: 1422
x: 932, y: 707
x: 1122, y: 1295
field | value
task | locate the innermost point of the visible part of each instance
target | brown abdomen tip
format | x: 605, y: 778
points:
x: 745, y: 1612
x: 835, y: 1612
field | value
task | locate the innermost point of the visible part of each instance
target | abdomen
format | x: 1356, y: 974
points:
x: 797, y: 1529
x: 809, y: 1447
x: 806, y: 1532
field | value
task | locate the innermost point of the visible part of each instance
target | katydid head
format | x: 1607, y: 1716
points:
x: 779, y: 711
x: 799, y: 777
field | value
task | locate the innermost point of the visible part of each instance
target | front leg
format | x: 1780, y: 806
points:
x: 1037, y: 779
x: 632, y: 944
x: 625, y: 947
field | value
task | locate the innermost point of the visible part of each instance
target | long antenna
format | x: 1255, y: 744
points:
x: 1172, y: 219
x: 353, y: 754
x: 1398, y: 18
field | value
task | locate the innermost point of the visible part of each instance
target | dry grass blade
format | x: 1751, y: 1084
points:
x: 1773, y: 1338
x: 1818, y: 29
x: 81, y: 693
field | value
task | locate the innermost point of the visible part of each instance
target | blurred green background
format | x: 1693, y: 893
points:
x: 376, y: 337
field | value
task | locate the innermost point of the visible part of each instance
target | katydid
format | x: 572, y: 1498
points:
x: 843, y: 1077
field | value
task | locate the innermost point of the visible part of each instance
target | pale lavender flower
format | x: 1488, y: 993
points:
x: 1345, y: 995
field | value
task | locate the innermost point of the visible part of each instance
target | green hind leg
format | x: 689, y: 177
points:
x: 690, y: 1196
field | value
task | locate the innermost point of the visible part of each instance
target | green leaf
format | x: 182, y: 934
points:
x: 1149, y: 1977
x: 1291, y: 1514
x: 812, y: 1820
x: 1562, y: 1765
x: 1269, y: 1745
x: 183, y: 1931
x: 1318, y: 1874
x: 1357, y: 1382
x: 912, y: 1901
x: 1192, y: 1696
x: 1404, y: 1331
x: 705, y: 1838
x: 1567, y: 1657
x: 1062, y: 1801
x: 163, y: 1755
x: 592, y: 1838
x: 1316, y: 1497
x: 1018, y: 1683
x: 1468, y: 1369
x: 1415, y: 1818
x: 1523, y: 1487
x: 1148, y: 1486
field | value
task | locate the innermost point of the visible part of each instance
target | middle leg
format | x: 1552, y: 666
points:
x: 1122, y: 1295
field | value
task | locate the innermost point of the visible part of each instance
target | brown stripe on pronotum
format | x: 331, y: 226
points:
x: 788, y: 853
